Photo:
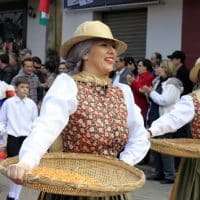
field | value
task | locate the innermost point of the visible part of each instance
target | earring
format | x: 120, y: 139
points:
x: 85, y: 57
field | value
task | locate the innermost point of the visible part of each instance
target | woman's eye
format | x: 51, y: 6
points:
x: 114, y: 46
x: 104, y: 44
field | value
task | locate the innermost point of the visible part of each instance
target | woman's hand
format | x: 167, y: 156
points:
x: 147, y: 89
x: 129, y: 79
x: 16, y: 172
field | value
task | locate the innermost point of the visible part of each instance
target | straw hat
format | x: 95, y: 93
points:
x: 194, y: 73
x: 89, y: 30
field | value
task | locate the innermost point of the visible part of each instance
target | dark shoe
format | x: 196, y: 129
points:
x: 155, y: 178
x: 9, y: 198
x: 167, y: 181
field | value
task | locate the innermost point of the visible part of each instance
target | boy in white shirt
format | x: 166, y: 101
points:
x: 17, y: 115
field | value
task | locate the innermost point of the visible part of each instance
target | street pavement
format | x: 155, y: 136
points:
x: 152, y: 190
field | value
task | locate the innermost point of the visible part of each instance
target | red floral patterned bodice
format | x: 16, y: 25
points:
x: 196, y: 121
x: 100, y: 123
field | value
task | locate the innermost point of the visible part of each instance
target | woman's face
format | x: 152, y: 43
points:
x: 161, y: 71
x: 62, y: 68
x: 101, y: 58
x: 141, y: 68
x: 153, y: 59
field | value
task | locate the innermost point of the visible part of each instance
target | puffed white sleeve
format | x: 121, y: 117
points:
x: 138, y: 143
x: 182, y: 113
x: 58, y: 104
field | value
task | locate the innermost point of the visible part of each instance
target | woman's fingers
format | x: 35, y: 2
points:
x: 16, y: 172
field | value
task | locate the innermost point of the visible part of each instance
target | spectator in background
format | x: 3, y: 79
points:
x: 130, y: 64
x: 13, y: 61
x: 144, y: 78
x: 52, y: 69
x: 123, y: 70
x: 16, y: 119
x: 25, y: 53
x: 182, y: 73
x: 6, y: 71
x: 185, y: 111
x: 163, y: 97
x: 27, y: 72
x: 156, y: 59
x: 37, y: 65
x: 62, y: 68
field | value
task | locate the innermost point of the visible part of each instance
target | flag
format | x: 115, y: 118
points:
x: 44, y: 12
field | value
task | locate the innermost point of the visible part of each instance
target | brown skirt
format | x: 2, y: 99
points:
x: 47, y: 196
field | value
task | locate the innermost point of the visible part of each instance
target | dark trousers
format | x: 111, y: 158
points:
x: 164, y: 164
x: 183, y: 132
x: 14, y: 144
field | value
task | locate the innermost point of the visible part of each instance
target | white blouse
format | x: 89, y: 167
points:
x: 58, y: 104
x: 182, y: 113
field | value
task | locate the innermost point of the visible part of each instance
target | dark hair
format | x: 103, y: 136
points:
x: 26, y: 60
x: 129, y: 60
x: 158, y: 56
x: 4, y: 58
x: 21, y: 80
x: 25, y: 51
x: 52, y: 61
x: 62, y: 63
x: 52, y: 66
x: 147, y: 63
x: 37, y: 60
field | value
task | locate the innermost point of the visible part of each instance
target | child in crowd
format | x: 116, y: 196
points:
x: 28, y: 72
x: 17, y: 115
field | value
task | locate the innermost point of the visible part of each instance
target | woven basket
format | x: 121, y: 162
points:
x: 188, y: 148
x: 113, y: 176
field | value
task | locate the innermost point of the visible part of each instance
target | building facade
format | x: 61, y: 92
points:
x: 147, y: 26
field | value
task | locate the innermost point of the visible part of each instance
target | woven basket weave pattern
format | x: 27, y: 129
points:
x: 188, y: 148
x: 115, y: 176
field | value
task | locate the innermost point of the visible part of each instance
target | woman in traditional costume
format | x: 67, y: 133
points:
x: 91, y: 114
x: 187, y: 184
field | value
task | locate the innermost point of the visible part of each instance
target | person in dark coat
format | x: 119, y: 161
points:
x: 182, y: 73
x: 6, y: 71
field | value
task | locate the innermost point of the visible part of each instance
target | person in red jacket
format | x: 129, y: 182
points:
x: 144, y: 78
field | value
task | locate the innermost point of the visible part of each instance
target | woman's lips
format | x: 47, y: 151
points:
x: 109, y: 60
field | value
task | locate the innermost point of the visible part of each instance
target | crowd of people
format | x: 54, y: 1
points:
x: 156, y: 84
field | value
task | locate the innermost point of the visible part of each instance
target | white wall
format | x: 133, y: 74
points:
x: 36, y: 36
x: 164, y: 27
x: 72, y: 20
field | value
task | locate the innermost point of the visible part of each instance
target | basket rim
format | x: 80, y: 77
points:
x: 174, y: 147
x: 30, y: 180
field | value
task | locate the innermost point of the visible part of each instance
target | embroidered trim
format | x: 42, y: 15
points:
x: 87, y: 77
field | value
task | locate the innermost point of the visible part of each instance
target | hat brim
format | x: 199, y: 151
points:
x: 170, y: 56
x: 194, y: 73
x: 121, y: 47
